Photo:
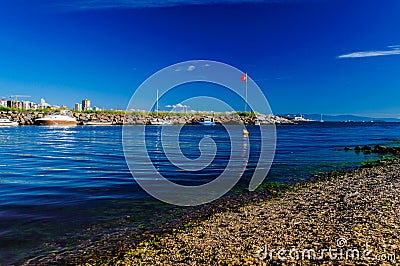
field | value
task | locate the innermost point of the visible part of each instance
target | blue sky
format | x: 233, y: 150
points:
x: 310, y: 56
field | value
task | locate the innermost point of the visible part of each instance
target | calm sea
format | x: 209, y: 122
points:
x: 57, y: 182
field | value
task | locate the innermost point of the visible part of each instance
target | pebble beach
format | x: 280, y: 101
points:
x: 339, y: 218
x: 349, y: 219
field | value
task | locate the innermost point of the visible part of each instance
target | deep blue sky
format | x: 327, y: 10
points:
x: 103, y: 50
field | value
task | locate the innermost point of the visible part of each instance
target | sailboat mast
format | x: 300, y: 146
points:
x: 157, y: 103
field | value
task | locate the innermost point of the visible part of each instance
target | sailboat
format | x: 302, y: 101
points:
x: 321, y: 120
x: 158, y: 121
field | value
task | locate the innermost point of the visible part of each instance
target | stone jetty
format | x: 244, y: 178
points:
x: 119, y: 118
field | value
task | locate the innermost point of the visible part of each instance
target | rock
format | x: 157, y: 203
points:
x: 380, y: 149
x: 366, y: 148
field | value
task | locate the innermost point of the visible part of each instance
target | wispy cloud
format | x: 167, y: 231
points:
x: 393, y: 49
x: 132, y: 4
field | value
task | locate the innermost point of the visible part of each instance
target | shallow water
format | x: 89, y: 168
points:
x: 55, y: 182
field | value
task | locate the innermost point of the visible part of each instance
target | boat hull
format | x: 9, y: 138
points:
x: 160, y: 122
x: 207, y: 123
x: 8, y: 124
x: 53, y: 122
x: 63, y: 117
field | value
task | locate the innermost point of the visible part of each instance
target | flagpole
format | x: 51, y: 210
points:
x: 245, y: 103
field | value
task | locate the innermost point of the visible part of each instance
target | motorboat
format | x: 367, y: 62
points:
x: 207, y: 121
x: 63, y: 117
x: 301, y: 118
x: 4, y: 122
x: 159, y: 122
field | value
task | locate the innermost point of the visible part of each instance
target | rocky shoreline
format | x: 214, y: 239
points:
x: 28, y: 118
x: 352, y: 214
x: 352, y: 218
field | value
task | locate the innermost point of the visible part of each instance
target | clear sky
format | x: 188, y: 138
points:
x: 310, y: 56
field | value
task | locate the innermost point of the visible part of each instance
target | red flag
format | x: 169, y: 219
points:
x: 244, y: 77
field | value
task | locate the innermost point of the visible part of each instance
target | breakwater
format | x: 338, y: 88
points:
x: 29, y: 117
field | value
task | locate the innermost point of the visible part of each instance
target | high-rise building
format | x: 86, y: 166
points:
x: 3, y: 103
x: 78, y: 107
x: 26, y: 105
x: 86, y: 105
x: 11, y: 104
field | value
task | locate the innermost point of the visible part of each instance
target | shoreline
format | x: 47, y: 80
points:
x: 201, y: 235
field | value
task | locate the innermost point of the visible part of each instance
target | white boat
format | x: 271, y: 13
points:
x: 207, y: 121
x: 302, y: 119
x: 160, y: 122
x: 4, y: 122
x: 63, y: 117
x: 96, y: 123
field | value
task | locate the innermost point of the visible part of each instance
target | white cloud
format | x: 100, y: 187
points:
x: 190, y: 68
x: 395, y: 49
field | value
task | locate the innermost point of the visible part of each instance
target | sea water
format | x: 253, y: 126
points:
x: 55, y: 182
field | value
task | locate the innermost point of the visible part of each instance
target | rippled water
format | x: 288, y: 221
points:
x: 55, y: 182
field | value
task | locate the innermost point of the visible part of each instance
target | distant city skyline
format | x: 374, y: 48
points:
x: 311, y: 57
x: 21, y: 102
